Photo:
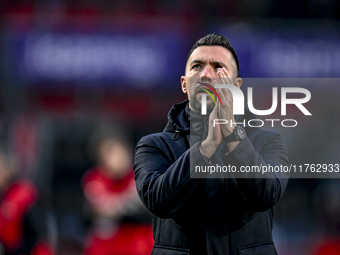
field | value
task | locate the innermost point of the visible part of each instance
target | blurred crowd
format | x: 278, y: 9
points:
x: 23, y: 221
x: 114, y: 219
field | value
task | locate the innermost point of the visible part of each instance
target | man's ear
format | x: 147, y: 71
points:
x: 238, y: 82
x: 184, y: 85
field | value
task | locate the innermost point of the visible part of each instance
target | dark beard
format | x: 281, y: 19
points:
x: 196, y: 106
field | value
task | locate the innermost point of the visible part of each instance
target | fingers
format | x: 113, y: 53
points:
x: 214, y: 113
x: 225, y: 111
x: 224, y: 76
x: 214, y: 137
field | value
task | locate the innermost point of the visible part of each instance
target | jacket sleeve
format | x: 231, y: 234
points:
x: 261, y: 187
x: 164, y: 186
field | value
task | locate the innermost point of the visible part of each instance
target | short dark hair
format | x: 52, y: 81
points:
x: 216, y: 40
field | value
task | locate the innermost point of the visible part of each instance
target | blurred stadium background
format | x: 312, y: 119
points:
x: 68, y: 67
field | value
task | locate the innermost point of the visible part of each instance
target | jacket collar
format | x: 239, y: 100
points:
x: 178, y: 118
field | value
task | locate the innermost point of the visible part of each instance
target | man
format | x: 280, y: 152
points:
x: 210, y: 215
x: 116, y: 211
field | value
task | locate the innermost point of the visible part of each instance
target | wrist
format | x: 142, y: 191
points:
x: 207, y: 148
x: 228, y: 129
x: 238, y: 134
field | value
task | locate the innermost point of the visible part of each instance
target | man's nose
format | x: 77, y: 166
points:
x: 207, y: 74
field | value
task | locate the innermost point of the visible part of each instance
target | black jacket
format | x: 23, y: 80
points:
x: 208, y: 216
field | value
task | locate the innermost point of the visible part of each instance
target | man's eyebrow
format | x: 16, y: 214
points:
x: 202, y: 61
x: 197, y: 61
x: 214, y: 62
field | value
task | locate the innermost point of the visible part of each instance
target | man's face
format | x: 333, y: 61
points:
x: 202, y: 66
x: 115, y: 158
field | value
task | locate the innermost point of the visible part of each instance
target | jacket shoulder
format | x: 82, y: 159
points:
x: 157, y: 138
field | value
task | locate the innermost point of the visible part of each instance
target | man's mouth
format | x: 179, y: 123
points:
x: 205, y: 86
x: 209, y: 89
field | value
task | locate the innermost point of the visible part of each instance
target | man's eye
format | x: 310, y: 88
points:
x: 217, y: 66
x: 197, y: 66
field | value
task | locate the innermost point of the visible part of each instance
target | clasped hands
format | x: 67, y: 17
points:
x: 216, y: 131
